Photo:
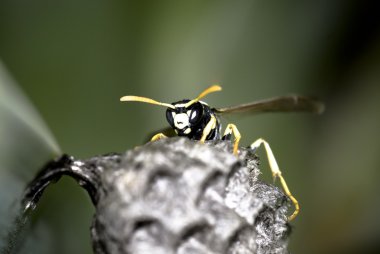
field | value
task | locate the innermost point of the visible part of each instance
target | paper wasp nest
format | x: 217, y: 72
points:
x: 179, y: 196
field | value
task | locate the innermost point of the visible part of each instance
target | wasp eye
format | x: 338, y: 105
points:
x: 196, y: 113
x: 170, y: 116
x: 193, y: 115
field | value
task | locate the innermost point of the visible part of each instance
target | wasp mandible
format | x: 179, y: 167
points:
x: 196, y: 120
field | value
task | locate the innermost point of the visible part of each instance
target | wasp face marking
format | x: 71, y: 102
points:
x: 181, y: 120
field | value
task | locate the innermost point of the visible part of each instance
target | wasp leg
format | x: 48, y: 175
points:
x: 208, y: 128
x: 158, y: 136
x: 232, y: 129
x: 277, y: 173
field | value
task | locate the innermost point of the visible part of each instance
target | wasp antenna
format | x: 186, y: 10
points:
x: 146, y: 100
x: 211, y: 89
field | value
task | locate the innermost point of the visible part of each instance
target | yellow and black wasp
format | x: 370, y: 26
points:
x: 196, y: 120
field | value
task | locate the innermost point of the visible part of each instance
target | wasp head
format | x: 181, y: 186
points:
x: 183, y: 117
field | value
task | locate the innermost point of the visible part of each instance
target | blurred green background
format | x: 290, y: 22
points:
x: 75, y: 59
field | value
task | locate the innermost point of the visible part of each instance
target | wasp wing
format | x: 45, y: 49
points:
x: 292, y: 103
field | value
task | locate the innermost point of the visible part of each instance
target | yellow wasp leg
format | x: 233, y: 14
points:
x: 210, y: 126
x: 277, y: 173
x: 158, y: 136
x: 231, y: 128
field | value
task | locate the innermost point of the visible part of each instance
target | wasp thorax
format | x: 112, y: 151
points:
x: 184, y: 118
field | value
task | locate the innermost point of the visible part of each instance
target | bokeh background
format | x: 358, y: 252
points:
x: 75, y: 59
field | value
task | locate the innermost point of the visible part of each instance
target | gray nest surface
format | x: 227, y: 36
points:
x: 179, y: 196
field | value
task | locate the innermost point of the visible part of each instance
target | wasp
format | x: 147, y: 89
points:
x: 196, y: 120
